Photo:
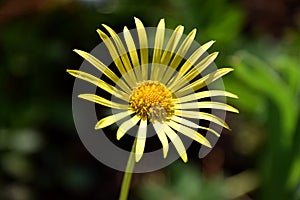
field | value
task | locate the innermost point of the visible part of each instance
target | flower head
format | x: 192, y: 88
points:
x: 163, y: 92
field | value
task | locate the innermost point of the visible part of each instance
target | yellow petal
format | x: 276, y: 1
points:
x: 112, y: 50
x: 175, y: 139
x: 179, y: 55
x: 189, y: 63
x: 99, y: 100
x: 143, y: 46
x: 125, y: 126
x: 104, y: 69
x: 158, y: 46
x: 99, y: 83
x: 159, y: 41
x: 159, y: 128
x: 201, y: 66
x: 204, y: 94
x: 195, y: 56
x: 189, y: 133
x: 169, y: 51
x: 132, y: 52
x: 107, y: 121
x: 184, y: 121
x: 116, y: 57
x: 206, y: 104
x: 202, y: 115
x: 122, y: 52
x: 184, y: 47
x: 171, y: 45
x: 192, y: 124
x: 141, y: 140
x: 204, y: 81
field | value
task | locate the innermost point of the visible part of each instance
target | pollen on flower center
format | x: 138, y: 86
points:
x: 153, y: 101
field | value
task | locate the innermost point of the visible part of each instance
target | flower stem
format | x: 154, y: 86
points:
x: 128, y: 174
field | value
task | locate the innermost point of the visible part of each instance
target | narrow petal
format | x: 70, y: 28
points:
x: 189, y: 133
x: 179, y: 55
x: 99, y: 100
x: 169, y: 50
x: 204, y: 81
x: 189, y: 63
x: 204, y: 94
x: 202, y: 65
x: 143, y: 41
x: 115, y: 57
x: 195, y: 56
x: 206, y: 104
x: 122, y: 52
x: 125, y: 126
x: 175, y: 139
x: 132, y: 52
x: 107, y: 121
x: 99, y: 83
x: 182, y: 50
x: 141, y: 140
x: 112, y: 50
x: 159, y: 128
x: 158, y: 46
x: 184, y: 121
x: 202, y: 115
x: 171, y: 45
x: 104, y: 69
x: 159, y: 41
x: 192, y: 124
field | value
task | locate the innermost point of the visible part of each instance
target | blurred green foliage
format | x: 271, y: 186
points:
x: 41, y: 156
x: 182, y: 182
x: 276, y: 84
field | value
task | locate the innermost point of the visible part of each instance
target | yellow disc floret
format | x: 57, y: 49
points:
x: 153, y: 101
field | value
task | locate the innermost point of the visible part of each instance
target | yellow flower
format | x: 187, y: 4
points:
x: 164, y: 92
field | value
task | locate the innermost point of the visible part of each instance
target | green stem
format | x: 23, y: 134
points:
x: 128, y: 174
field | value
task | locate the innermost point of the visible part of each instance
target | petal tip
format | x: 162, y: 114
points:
x: 184, y: 158
x: 138, y: 157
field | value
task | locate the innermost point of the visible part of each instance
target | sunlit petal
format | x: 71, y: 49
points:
x: 206, y: 104
x: 159, y: 129
x: 189, y: 133
x: 125, y: 126
x: 104, y: 69
x: 113, y: 52
x: 132, y: 52
x: 204, y: 81
x: 204, y: 94
x: 179, y: 55
x: 202, y: 65
x: 122, y: 52
x: 175, y: 139
x: 202, y: 115
x: 143, y: 47
x: 158, y: 46
x: 107, y: 121
x: 99, y: 83
x: 141, y: 140
x: 100, y: 100
x: 190, y: 62
x: 169, y: 50
x: 192, y: 124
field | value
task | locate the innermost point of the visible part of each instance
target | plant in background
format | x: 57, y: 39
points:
x: 163, y: 89
x: 275, y: 89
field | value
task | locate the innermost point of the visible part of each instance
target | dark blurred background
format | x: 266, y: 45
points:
x: 41, y: 155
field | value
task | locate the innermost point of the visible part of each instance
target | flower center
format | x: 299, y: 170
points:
x: 153, y: 101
